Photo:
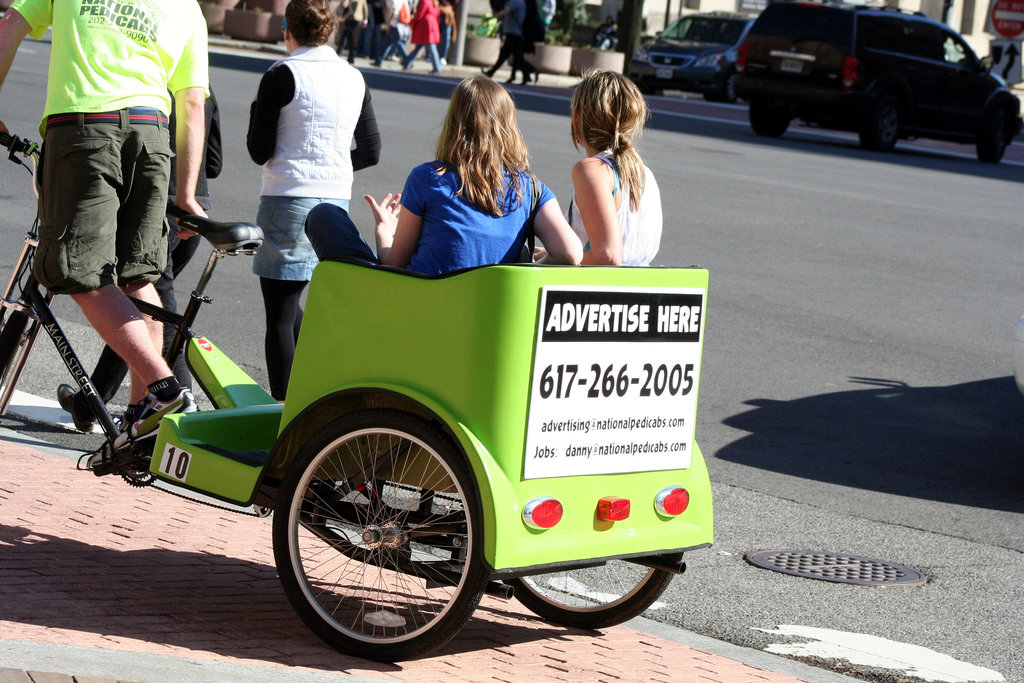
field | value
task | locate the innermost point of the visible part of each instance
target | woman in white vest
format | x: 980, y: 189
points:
x: 309, y: 108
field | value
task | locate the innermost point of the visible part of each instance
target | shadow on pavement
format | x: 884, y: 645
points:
x: 961, y: 444
x: 197, y: 601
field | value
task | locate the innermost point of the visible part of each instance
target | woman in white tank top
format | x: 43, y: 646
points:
x: 616, y: 205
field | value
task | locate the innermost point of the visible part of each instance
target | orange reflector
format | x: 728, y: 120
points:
x: 542, y: 513
x: 612, y: 509
x: 672, y: 501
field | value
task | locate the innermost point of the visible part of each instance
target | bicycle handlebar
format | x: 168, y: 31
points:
x: 22, y: 146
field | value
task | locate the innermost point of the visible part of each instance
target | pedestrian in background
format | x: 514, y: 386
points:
x: 352, y: 14
x: 513, y: 18
x: 426, y: 31
x: 448, y: 30
x: 396, y: 18
x: 546, y: 9
x: 369, y: 39
x: 309, y: 109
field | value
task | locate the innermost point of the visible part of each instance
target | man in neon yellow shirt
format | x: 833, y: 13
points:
x: 106, y: 163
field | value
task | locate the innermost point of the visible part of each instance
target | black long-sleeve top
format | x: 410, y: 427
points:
x: 277, y: 88
x: 213, y: 154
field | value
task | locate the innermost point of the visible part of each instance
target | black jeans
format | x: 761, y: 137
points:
x: 347, y: 37
x: 512, y: 46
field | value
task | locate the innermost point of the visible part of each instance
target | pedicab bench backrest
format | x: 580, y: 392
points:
x: 555, y: 381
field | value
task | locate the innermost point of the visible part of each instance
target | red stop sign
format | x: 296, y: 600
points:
x: 1008, y: 17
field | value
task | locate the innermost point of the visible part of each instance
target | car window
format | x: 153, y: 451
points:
x: 881, y: 33
x: 800, y: 22
x: 956, y: 51
x: 705, y: 30
x: 921, y: 40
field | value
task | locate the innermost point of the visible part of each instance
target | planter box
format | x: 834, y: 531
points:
x: 481, y: 50
x: 272, y: 6
x: 261, y: 27
x: 605, y: 60
x: 214, y: 17
x: 551, y: 59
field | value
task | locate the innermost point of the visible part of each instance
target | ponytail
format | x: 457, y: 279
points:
x: 611, y: 113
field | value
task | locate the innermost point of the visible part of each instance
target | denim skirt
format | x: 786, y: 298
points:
x: 286, y: 253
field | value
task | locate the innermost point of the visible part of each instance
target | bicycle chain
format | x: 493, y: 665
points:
x: 143, y: 478
x: 260, y: 512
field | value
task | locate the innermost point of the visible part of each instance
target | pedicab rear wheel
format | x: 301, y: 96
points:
x: 377, y: 536
x: 592, y: 597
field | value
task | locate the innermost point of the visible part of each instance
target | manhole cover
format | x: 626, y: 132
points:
x: 812, y: 564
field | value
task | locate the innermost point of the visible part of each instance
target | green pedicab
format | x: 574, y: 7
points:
x: 506, y: 428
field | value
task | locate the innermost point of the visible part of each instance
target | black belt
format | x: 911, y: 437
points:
x: 143, y: 115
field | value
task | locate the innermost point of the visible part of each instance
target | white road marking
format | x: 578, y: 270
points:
x: 40, y: 409
x: 864, y: 650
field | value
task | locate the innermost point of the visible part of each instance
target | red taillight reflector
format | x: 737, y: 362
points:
x: 672, y: 501
x: 612, y: 509
x: 741, y: 58
x: 851, y: 72
x: 542, y: 513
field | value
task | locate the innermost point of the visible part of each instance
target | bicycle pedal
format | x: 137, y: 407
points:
x: 113, y: 457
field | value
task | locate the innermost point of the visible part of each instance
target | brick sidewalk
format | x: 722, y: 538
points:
x: 93, y: 562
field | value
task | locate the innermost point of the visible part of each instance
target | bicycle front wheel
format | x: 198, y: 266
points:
x: 377, y: 536
x: 16, y: 337
x: 592, y: 597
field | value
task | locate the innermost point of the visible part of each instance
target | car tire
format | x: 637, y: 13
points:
x: 727, y: 93
x: 768, y: 120
x: 884, y: 124
x: 994, y: 137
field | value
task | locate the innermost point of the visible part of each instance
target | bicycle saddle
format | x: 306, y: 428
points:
x: 223, y: 236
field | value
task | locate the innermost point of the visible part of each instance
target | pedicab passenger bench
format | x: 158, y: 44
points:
x: 577, y: 385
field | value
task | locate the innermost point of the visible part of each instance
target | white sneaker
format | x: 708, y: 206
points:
x: 152, y: 410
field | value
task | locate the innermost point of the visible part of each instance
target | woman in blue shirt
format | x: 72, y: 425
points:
x: 469, y: 207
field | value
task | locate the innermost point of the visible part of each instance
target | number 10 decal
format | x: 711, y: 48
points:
x: 175, y: 462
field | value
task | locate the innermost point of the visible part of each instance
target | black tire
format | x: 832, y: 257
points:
x: 727, y: 93
x: 994, y: 136
x: 884, y: 125
x: 592, y: 597
x: 377, y: 536
x: 14, y: 344
x: 768, y: 120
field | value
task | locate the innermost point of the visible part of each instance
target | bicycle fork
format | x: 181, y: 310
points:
x: 36, y: 305
x: 13, y: 372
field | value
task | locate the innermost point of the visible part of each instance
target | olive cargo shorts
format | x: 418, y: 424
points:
x: 102, y: 204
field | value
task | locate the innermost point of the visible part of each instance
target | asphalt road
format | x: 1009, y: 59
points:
x: 856, y: 391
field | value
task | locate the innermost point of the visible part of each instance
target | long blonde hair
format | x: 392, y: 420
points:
x: 611, y: 112
x: 480, y: 140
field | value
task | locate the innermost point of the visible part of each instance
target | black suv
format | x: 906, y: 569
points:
x: 879, y: 72
x: 695, y: 53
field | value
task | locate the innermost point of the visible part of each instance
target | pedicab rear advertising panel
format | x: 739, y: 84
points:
x: 614, y: 386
